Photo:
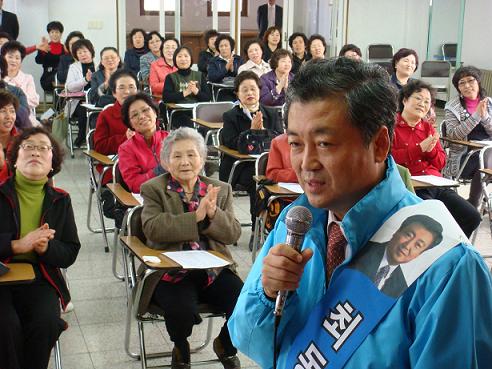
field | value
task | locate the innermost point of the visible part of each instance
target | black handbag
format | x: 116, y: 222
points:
x: 255, y: 141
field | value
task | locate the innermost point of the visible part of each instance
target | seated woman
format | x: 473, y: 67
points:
x: 50, y: 59
x: 138, y: 156
x: 317, y: 46
x: 133, y: 54
x: 111, y: 132
x: 78, y: 80
x: 100, y: 93
x: 37, y: 227
x: 272, y: 40
x: 22, y: 120
x: 416, y: 146
x: 8, y: 107
x: 298, y: 44
x: 351, y: 51
x: 185, y: 211
x: 14, y: 53
x: 274, y: 83
x: 184, y: 86
x: 206, y: 55
x: 67, y: 59
x: 468, y: 117
x: 153, y: 42
x: 254, y: 50
x: 226, y: 64
x: 163, y: 66
x: 279, y: 167
x: 405, y: 63
x: 249, y: 114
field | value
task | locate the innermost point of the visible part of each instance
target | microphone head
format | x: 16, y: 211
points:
x: 298, y: 219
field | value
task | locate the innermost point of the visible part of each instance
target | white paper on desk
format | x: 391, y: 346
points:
x: 196, y: 259
x: 485, y: 143
x: 138, y: 197
x: 186, y: 106
x: 47, y: 114
x: 294, y: 187
x: 435, y: 180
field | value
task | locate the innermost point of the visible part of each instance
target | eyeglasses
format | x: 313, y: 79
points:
x: 421, y: 100
x: 137, y: 114
x: 465, y: 82
x: 40, y: 148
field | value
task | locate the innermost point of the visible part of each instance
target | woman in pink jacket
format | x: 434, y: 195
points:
x: 163, y: 66
x: 139, y: 156
x: 14, y: 52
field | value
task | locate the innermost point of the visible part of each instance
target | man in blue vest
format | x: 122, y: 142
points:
x: 340, y: 125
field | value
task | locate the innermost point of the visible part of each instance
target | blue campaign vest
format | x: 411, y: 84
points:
x: 353, y: 305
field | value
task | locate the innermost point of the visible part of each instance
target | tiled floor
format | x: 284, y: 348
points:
x: 95, y: 337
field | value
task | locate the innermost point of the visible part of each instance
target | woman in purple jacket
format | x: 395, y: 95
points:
x: 275, y: 83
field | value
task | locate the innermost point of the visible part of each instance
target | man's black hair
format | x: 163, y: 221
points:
x: 433, y: 226
x: 365, y: 88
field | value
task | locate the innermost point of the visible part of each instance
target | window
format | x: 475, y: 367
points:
x: 151, y: 7
x: 224, y: 7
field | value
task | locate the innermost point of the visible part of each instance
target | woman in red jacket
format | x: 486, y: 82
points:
x: 139, y: 156
x: 8, y: 107
x: 416, y: 146
x: 279, y: 167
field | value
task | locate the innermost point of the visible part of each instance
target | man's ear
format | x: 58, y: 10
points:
x: 382, y: 144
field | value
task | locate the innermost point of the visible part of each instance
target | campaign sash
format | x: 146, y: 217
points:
x: 354, y: 304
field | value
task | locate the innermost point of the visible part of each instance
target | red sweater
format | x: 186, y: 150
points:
x: 137, y: 160
x: 279, y: 167
x: 110, y: 130
x: 4, y: 170
x: 110, y: 134
x: 157, y: 76
x: 407, y: 152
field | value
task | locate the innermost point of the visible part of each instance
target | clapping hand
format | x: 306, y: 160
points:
x: 257, y: 122
x: 482, y: 108
x: 230, y: 64
x: 429, y: 143
x: 129, y: 133
x: 283, y: 83
x: 88, y: 75
x: 36, y: 240
x: 43, y: 45
x: 193, y: 85
x: 208, y: 204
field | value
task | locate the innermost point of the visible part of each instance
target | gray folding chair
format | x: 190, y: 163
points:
x: 379, y: 53
x: 437, y: 73
x: 136, y: 310
x: 95, y: 188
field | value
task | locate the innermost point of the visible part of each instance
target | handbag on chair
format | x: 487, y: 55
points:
x: 255, y: 141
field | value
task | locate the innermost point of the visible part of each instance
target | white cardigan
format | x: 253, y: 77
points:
x: 75, y: 83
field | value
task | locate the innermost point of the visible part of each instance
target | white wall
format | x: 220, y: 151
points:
x: 477, y: 34
x: 34, y: 15
x: 401, y: 23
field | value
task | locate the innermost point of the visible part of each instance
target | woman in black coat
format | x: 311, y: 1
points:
x: 37, y: 227
x: 249, y: 114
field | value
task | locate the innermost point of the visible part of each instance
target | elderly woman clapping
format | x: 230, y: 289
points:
x: 186, y: 211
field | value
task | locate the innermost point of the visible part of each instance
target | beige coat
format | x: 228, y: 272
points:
x: 167, y: 226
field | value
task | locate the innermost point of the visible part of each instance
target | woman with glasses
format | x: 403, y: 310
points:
x: 468, y: 117
x: 38, y: 228
x: 416, y: 146
x: 100, y: 93
x: 139, y: 155
x: 111, y: 132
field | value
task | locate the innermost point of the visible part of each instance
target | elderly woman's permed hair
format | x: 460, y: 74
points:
x: 180, y: 134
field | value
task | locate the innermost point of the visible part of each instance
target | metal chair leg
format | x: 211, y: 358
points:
x: 57, y: 351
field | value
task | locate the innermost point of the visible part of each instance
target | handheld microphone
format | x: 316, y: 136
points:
x: 298, y: 221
